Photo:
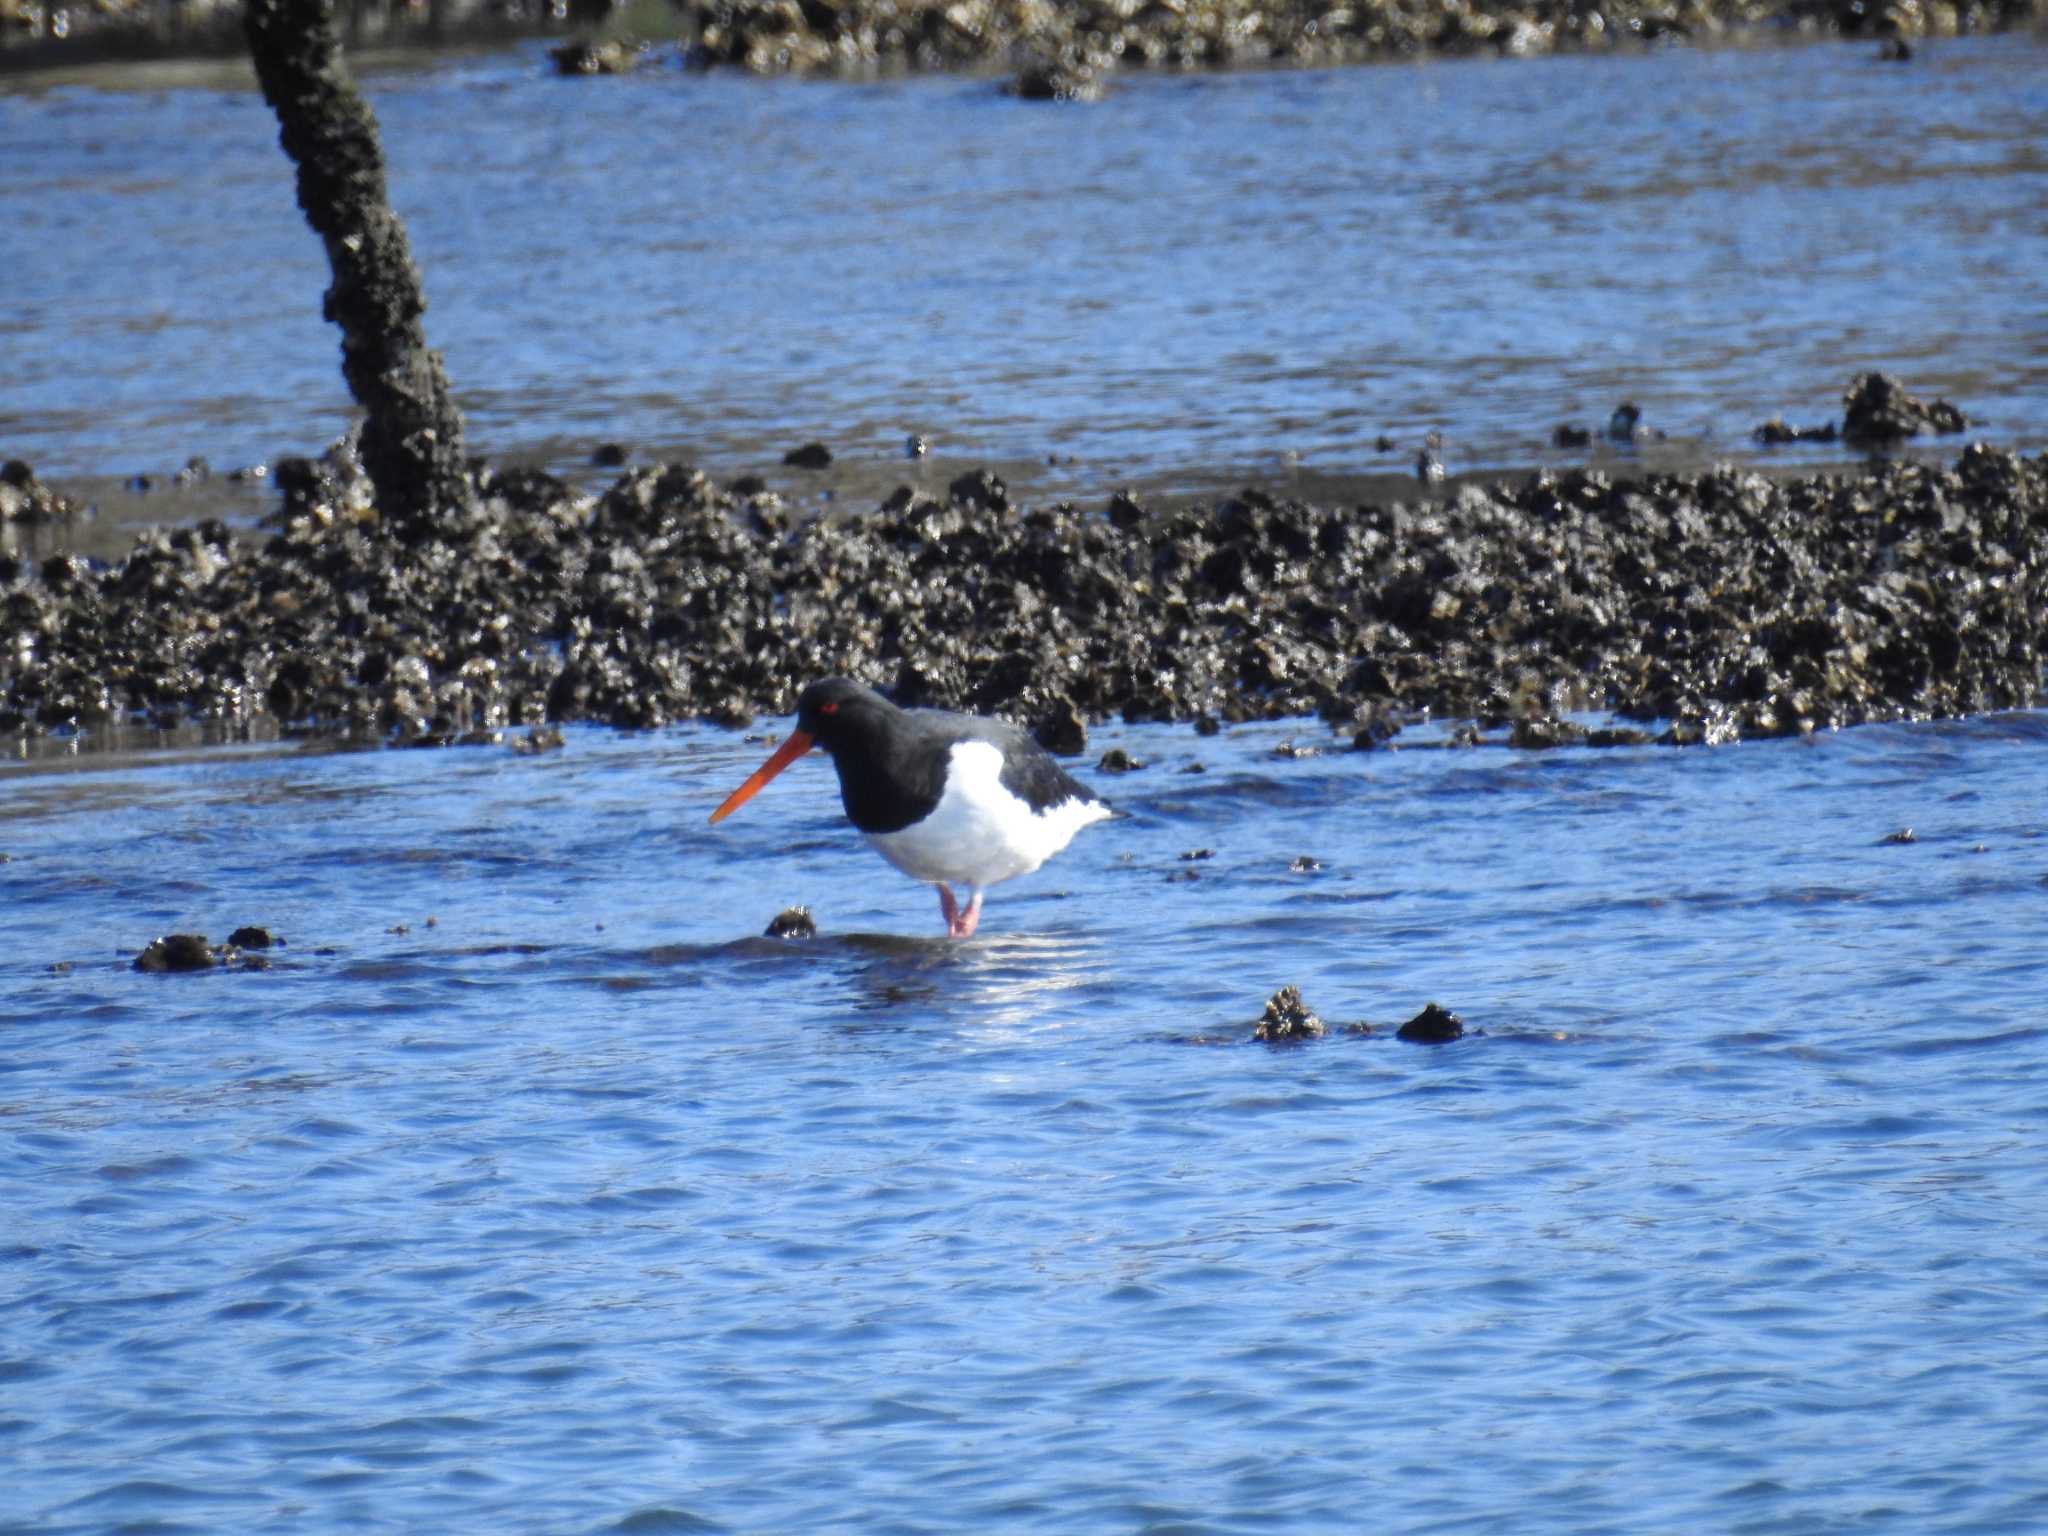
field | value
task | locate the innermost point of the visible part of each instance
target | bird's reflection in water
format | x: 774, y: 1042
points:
x: 1007, y: 982
x: 999, y: 981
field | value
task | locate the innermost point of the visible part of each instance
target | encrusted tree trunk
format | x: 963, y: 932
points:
x: 412, y: 439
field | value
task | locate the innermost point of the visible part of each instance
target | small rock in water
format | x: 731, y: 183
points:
x: 1569, y: 436
x: 1117, y: 760
x: 1287, y: 1017
x: 1777, y: 432
x: 1902, y: 836
x: 1541, y: 734
x: 1305, y: 864
x: 176, y: 952
x: 810, y: 456
x: 595, y: 58
x: 253, y: 938
x: 1055, y: 80
x: 1192, y: 854
x: 1432, y: 1026
x: 1062, y: 732
x: 1619, y: 736
x: 1290, y: 750
x: 982, y: 488
x: 608, y: 455
x: 791, y: 923
x: 542, y: 738
x: 25, y: 499
x: 1877, y: 411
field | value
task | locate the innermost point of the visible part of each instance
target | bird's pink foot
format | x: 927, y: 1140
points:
x: 960, y: 921
x: 969, y: 919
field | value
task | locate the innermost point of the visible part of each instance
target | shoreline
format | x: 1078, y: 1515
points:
x: 1066, y: 52
x: 1722, y: 604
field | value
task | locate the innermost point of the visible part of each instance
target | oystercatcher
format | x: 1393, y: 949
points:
x: 948, y: 799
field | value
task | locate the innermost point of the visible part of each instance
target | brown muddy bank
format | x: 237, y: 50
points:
x: 1722, y: 604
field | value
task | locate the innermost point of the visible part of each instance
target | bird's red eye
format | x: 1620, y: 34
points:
x: 831, y: 708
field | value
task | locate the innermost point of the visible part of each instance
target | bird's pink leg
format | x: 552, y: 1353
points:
x: 960, y: 921
x: 969, y: 918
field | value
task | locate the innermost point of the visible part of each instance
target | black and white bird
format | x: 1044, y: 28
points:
x: 949, y: 799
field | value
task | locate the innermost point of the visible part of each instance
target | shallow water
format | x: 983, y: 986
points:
x: 1200, y: 280
x: 528, y: 1190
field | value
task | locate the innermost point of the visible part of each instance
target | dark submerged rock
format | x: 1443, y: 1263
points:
x: 981, y: 488
x: 791, y: 923
x: 176, y: 952
x: 1626, y: 422
x: 26, y: 500
x: 615, y: 57
x: 1618, y: 736
x: 1056, y: 80
x: 1432, y: 1026
x: 1540, y: 735
x: 1878, y: 412
x: 542, y: 738
x: 1288, y: 1018
x: 253, y: 938
x: 1061, y: 730
x: 1777, y: 432
x: 809, y: 456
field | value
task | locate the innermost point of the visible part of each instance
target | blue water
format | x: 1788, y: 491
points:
x: 529, y: 1191
x: 1199, y: 280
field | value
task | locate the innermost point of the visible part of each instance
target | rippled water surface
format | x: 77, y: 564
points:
x: 528, y: 1190
x: 1200, y: 277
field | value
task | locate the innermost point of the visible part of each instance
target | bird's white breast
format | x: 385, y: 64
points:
x: 980, y: 832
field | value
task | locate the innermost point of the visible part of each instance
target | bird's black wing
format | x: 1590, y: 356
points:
x: 1030, y: 772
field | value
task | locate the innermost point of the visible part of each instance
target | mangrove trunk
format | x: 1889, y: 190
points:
x: 412, y: 434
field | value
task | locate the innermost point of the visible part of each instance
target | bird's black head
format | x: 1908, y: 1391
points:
x: 837, y: 712
x: 888, y: 774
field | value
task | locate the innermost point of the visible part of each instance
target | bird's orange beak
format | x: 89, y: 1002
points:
x: 798, y: 744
